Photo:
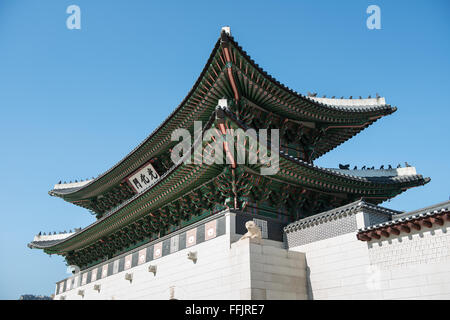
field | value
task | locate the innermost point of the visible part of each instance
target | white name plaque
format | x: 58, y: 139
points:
x: 144, y: 178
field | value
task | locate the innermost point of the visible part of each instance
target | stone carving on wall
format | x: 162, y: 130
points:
x: 253, y: 233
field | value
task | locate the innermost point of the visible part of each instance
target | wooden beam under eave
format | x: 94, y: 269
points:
x: 383, y: 233
x: 363, y: 237
x: 405, y: 228
x: 374, y: 235
x: 414, y: 225
x: 426, y: 222
x: 437, y: 221
x: 393, y: 230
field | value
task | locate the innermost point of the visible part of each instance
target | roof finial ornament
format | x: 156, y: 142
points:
x: 407, y: 164
x: 226, y: 29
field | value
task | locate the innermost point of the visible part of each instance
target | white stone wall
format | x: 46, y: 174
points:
x: 408, y: 266
x: 242, y: 270
x: 276, y: 273
x: 203, y: 280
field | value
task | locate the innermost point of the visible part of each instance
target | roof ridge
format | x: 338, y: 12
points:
x: 292, y: 91
x: 345, y: 209
x: 410, y: 216
x: 436, y: 207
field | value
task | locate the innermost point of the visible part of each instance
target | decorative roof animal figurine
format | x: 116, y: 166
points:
x: 344, y: 166
x: 253, y: 233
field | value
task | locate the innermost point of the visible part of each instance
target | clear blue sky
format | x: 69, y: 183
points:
x: 74, y: 102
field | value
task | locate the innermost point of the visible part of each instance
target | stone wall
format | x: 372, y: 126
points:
x: 335, y: 266
x: 225, y: 269
x: 407, y: 266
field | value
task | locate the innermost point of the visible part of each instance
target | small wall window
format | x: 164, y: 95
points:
x: 262, y: 224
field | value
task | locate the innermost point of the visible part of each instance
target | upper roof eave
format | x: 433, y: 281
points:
x: 337, y: 106
x: 102, y: 176
x: 101, y: 179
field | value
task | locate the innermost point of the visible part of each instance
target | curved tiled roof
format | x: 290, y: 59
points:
x: 338, y: 106
x: 146, y: 140
x: 348, y: 209
x: 44, y: 241
x: 43, y: 244
x: 355, y: 105
x: 106, y: 180
x: 430, y: 211
x: 374, y: 179
x: 382, y: 179
x: 433, y: 209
